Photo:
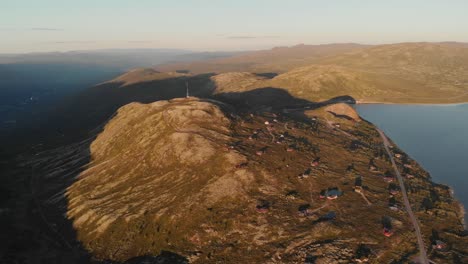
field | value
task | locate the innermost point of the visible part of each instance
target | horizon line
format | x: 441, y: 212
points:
x: 191, y: 50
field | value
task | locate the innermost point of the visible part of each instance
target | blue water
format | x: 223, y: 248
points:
x: 434, y: 135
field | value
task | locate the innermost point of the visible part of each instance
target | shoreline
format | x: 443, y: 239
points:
x: 422, y: 104
x: 463, y: 213
x: 463, y: 217
x: 461, y: 209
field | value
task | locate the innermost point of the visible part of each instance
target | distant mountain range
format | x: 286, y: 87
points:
x: 279, y: 59
x: 32, y: 84
x: 394, y: 73
x: 118, y: 58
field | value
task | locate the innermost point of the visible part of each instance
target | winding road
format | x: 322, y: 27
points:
x: 414, y: 220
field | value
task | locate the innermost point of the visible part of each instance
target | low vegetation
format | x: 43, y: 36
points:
x: 200, y: 179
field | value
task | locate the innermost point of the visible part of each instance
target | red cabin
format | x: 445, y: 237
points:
x: 387, y: 232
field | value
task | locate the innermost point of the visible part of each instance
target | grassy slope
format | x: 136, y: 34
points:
x: 199, y: 204
x: 396, y: 73
x: 280, y: 59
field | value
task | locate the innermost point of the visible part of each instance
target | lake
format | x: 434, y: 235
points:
x: 434, y: 135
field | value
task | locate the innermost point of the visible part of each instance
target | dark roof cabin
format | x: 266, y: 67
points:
x: 303, y: 209
x: 305, y: 174
x: 262, y: 206
x: 333, y: 193
x: 315, y: 162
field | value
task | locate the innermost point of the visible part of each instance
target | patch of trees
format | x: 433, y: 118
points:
x: 427, y: 204
x: 363, y: 251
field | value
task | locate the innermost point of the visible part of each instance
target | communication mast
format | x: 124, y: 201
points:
x: 187, y: 89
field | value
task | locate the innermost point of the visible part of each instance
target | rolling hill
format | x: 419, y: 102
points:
x: 279, y: 59
x: 209, y: 181
x: 394, y: 73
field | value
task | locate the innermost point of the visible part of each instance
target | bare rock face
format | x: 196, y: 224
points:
x: 343, y: 109
x: 152, y: 170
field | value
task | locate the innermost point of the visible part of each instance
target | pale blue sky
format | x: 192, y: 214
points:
x: 61, y: 25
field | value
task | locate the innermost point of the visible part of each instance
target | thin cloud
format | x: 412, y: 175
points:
x: 71, y: 42
x: 252, y: 37
x: 140, y: 41
x: 46, y: 29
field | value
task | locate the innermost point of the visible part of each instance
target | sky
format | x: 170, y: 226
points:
x: 212, y: 25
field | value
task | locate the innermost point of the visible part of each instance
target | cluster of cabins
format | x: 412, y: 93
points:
x: 304, y: 210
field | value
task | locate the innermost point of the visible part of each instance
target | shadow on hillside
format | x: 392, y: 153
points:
x: 76, y: 116
x: 42, y: 228
x: 269, y: 75
x: 165, y: 257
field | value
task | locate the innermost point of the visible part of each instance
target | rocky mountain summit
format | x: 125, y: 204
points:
x: 216, y: 184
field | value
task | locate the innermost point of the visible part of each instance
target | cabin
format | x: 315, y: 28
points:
x: 323, y: 194
x: 292, y: 195
x: 388, y: 178
x: 388, y: 232
x: 262, y: 206
x: 241, y: 165
x: 267, y: 123
x: 372, y: 168
x: 387, y: 226
x: 362, y: 254
x: 358, y: 184
x: 439, y: 245
x: 333, y: 193
x: 280, y: 139
x: 304, y: 210
x: 358, y: 189
x: 358, y: 181
x: 409, y: 176
x: 315, y: 162
x: 306, y: 173
x: 261, y: 151
x: 398, y: 155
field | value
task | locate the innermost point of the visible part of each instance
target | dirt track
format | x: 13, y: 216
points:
x: 414, y: 221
